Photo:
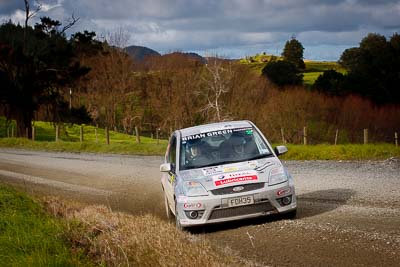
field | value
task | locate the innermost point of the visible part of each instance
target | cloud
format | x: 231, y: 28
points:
x: 8, y: 7
x: 233, y: 26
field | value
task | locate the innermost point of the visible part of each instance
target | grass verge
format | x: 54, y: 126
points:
x: 145, y: 148
x: 296, y: 152
x: 119, y: 239
x: 65, y: 233
x: 30, y: 237
x: 342, y: 152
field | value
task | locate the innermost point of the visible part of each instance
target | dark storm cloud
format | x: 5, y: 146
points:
x: 9, y: 6
x: 234, y: 24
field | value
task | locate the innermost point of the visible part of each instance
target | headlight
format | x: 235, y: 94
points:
x: 277, y: 176
x: 194, y: 189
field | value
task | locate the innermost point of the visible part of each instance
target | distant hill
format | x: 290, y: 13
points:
x: 139, y: 52
x: 189, y: 55
x: 196, y: 56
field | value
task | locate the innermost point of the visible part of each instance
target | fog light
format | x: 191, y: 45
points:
x: 193, y: 214
x: 286, y: 200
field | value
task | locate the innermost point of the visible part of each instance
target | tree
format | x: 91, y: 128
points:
x: 373, y: 68
x: 330, y: 82
x: 282, y: 73
x: 217, y: 82
x: 293, y: 52
x: 34, y: 65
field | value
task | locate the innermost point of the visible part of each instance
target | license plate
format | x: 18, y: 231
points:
x: 240, y: 201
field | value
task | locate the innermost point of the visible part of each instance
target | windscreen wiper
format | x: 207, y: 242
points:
x: 260, y: 156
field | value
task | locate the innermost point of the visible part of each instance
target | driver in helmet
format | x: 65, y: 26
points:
x: 238, y: 145
x: 197, y: 156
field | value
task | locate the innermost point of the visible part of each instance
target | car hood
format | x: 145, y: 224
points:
x: 220, y: 176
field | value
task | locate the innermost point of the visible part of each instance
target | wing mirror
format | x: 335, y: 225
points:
x: 279, y: 150
x: 165, y: 167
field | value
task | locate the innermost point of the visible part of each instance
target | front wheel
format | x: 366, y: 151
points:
x: 177, y: 222
x: 291, y: 215
x: 167, y: 208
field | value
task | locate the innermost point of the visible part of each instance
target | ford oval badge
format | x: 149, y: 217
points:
x: 237, y: 188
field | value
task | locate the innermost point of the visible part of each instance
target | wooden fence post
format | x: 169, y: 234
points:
x: 81, y: 133
x: 365, y: 136
x: 107, y: 135
x: 33, y: 133
x: 283, y: 137
x: 8, y: 131
x: 12, y: 131
x: 26, y: 133
x: 57, y: 133
x: 95, y: 134
x: 305, y: 135
x: 137, y: 135
x: 157, y: 135
x: 336, y: 136
x: 395, y: 139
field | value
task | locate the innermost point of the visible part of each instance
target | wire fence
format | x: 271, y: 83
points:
x: 81, y: 133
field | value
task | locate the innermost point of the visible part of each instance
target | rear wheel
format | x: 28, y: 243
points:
x: 167, y: 208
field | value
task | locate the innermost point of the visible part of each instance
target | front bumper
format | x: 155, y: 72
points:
x: 214, y: 208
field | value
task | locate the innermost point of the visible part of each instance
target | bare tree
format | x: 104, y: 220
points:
x: 119, y: 38
x: 71, y: 22
x: 217, y: 81
x: 28, y: 16
x: 28, y: 13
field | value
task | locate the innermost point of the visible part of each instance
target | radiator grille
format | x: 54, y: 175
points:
x: 229, y: 190
x: 242, y: 210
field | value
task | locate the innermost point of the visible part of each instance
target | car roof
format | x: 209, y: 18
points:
x: 215, y: 127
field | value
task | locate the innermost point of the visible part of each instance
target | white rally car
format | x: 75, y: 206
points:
x: 224, y: 171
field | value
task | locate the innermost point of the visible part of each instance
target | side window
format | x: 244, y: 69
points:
x: 172, y: 151
x: 262, y: 147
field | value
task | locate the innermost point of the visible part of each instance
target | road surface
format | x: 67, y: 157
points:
x: 348, y: 214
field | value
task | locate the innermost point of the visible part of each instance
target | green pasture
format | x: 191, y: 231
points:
x: 309, y: 78
x: 126, y: 144
x: 311, y: 73
x: 342, y: 152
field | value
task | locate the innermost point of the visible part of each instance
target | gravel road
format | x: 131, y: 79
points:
x: 348, y: 215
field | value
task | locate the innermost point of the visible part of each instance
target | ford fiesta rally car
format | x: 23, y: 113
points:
x: 222, y: 172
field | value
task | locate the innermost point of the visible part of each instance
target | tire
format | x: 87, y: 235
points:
x: 291, y: 215
x: 167, y: 208
x: 177, y: 223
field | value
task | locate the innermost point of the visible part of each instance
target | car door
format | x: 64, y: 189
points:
x: 171, y: 181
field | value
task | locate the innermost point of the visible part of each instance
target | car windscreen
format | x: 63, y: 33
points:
x: 221, y: 147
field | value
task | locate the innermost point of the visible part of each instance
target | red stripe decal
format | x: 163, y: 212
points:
x: 236, y: 180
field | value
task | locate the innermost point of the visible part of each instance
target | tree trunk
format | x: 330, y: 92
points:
x: 24, y: 121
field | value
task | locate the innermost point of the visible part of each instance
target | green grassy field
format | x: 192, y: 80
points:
x: 320, y: 66
x: 147, y: 146
x: 316, y: 68
x: 70, y: 140
x: 126, y: 144
x: 296, y: 152
x: 311, y: 73
x: 309, y: 78
x: 342, y: 152
x: 30, y: 237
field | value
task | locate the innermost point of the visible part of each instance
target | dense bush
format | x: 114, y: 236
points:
x: 282, y: 73
x: 330, y: 82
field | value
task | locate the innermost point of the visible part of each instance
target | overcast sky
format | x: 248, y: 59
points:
x: 228, y: 28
